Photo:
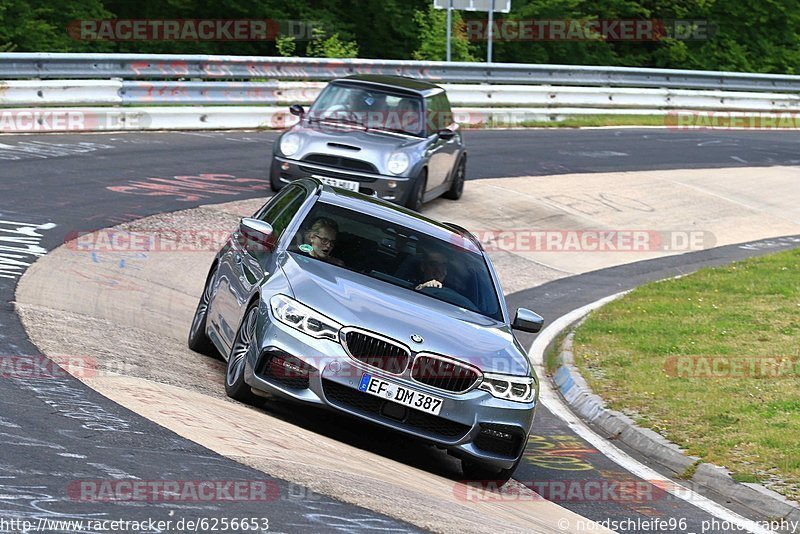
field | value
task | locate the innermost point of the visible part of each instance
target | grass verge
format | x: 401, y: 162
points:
x: 580, y: 121
x: 712, y: 362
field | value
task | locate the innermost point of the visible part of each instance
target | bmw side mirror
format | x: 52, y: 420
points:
x: 446, y: 134
x: 257, y: 235
x: 527, y: 321
x: 297, y: 109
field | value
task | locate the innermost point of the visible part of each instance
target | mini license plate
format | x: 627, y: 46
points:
x: 400, y: 394
x: 336, y: 182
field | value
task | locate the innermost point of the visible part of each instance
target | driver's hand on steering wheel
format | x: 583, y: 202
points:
x: 429, y: 283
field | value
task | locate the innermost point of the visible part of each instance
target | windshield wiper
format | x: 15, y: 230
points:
x: 343, y: 120
x: 393, y: 130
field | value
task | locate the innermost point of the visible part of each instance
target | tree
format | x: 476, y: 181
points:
x: 333, y: 46
x: 432, y: 36
x: 286, y: 45
x: 33, y: 26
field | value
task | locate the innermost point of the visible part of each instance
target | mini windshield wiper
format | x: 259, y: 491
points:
x: 340, y: 119
x: 393, y: 130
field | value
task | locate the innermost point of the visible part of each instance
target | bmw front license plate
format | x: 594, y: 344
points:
x: 400, y: 394
x: 336, y: 182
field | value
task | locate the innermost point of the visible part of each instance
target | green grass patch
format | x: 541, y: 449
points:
x: 711, y: 361
x: 580, y: 121
x: 552, y: 357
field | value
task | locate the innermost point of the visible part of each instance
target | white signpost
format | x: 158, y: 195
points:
x: 502, y: 6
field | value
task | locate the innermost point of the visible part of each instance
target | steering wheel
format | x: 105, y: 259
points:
x: 449, y: 295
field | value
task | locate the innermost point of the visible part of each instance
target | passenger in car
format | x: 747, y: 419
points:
x: 322, y: 238
x: 432, y: 269
x: 409, y: 116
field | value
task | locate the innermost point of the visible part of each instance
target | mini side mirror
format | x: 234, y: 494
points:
x: 527, y: 321
x: 297, y: 109
x: 446, y: 134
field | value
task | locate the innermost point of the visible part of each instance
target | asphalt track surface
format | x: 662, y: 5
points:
x: 55, y: 432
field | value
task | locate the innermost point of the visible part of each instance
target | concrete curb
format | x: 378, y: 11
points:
x: 619, y: 427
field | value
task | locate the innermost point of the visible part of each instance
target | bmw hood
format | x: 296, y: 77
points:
x: 353, y: 299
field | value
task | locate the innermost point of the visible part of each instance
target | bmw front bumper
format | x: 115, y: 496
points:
x: 474, y: 424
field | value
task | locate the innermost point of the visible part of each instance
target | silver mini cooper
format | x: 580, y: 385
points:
x: 386, y: 136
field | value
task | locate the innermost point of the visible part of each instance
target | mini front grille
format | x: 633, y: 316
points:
x: 377, y: 352
x: 342, y: 175
x: 341, y: 162
x: 444, y: 373
x: 371, y: 406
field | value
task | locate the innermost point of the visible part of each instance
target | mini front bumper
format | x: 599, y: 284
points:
x: 468, y: 424
x: 285, y: 170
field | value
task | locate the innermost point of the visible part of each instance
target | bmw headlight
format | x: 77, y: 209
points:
x: 290, y: 144
x: 398, y: 162
x: 510, y: 387
x: 301, y: 317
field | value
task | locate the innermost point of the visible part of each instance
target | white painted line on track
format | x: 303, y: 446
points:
x: 550, y: 398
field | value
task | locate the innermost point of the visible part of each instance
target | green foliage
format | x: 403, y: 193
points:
x: 42, y: 26
x: 333, y: 46
x: 743, y: 35
x: 432, y: 36
x: 286, y: 45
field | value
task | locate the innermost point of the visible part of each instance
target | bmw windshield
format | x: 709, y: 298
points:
x: 451, y: 271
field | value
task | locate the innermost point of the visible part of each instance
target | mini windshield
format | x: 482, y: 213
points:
x: 444, y: 270
x: 370, y: 108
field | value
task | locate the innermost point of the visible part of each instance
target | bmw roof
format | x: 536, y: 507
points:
x: 396, y: 214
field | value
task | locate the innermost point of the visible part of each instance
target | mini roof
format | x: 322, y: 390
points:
x: 402, y: 83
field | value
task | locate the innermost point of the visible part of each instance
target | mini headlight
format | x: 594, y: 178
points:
x: 301, y: 317
x: 290, y: 144
x: 398, y: 162
x: 510, y: 387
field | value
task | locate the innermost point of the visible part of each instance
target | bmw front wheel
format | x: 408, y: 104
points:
x: 235, y: 386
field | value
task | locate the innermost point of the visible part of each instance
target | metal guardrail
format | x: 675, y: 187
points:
x: 52, y: 93
x: 133, y: 92
x: 171, y: 67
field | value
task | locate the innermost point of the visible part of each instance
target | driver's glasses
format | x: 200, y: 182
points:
x: 325, y: 240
